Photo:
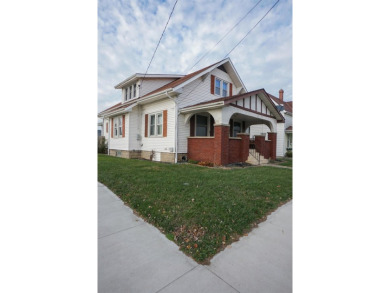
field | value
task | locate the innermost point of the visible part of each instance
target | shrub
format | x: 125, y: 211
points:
x: 205, y: 163
x: 193, y: 162
x: 102, y: 145
x: 289, y: 154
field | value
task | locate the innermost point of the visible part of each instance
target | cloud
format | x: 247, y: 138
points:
x: 128, y: 33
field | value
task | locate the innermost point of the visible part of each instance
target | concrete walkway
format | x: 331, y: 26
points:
x: 134, y: 256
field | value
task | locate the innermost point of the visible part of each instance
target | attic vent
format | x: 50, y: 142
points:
x: 221, y: 67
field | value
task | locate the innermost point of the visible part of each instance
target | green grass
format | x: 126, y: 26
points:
x: 287, y: 162
x: 201, y: 209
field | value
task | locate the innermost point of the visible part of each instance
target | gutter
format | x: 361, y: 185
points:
x: 176, y: 124
x: 201, y: 107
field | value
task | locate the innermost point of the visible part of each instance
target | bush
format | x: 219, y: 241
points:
x: 289, y: 154
x: 193, y: 162
x: 102, y: 145
x: 207, y: 164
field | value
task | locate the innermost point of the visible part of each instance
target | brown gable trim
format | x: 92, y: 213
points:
x: 252, y: 111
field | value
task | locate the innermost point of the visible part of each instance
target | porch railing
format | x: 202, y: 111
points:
x: 252, y: 150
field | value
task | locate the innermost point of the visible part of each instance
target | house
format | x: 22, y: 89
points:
x: 202, y: 116
x: 284, y: 141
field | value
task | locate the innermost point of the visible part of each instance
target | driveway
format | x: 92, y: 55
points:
x: 134, y: 256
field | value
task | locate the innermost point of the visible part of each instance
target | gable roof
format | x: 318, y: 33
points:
x: 174, y: 85
x: 287, y: 105
x: 192, y: 76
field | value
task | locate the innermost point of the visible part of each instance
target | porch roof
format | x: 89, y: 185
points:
x: 265, y: 97
x: 289, y: 129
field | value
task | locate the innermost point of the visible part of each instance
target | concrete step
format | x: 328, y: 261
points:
x: 253, y: 161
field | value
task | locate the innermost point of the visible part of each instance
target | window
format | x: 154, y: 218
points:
x: 130, y: 87
x: 134, y: 90
x: 152, y: 125
x: 116, y: 127
x: 218, y: 87
x: 201, y: 125
x: 120, y: 125
x: 159, y: 124
x: 236, y: 128
x: 156, y: 124
x: 126, y: 92
x: 224, y: 89
x: 221, y: 88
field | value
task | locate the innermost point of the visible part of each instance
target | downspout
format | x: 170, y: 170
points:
x: 108, y: 140
x: 176, y: 125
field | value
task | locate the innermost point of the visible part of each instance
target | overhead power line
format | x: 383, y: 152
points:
x: 159, y: 42
x: 238, y: 43
x: 226, y: 34
x: 251, y: 29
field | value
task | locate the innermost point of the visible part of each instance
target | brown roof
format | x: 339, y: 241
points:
x: 172, y: 84
x: 179, y: 81
x: 117, y: 107
x: 287, y: 105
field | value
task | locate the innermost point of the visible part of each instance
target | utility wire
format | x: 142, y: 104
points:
x: 251, y: 29
x: 158, y: 42
x: 237, y: 44
x: 226, y: 34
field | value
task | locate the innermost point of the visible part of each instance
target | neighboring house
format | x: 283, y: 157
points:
x: 284, y: 141
x: 203, y: 116
x: 99, y: 131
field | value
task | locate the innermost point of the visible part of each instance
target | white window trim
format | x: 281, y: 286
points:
x: 118, y: 124
x: 155, y: 124
x: 221, y: 87
x: 131, y: 92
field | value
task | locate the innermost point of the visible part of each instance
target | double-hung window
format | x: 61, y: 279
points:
x: 218, y: 87
x: 201, y: 125
x: 156, y: 124
x: 224, y: 89
x: 119, y: 125
x: 116, y: 127
x: 221, y: 88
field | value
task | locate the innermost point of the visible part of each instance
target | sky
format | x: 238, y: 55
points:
x: 128, y: 33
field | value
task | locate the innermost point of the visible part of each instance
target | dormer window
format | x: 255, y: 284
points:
x: 221, y: 91
x: 130, y: 92
x: 224, y: 89
x: 218, y: 87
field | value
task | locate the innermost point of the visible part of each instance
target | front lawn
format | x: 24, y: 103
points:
x: 202, y: 209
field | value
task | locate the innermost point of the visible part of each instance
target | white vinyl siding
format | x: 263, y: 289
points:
x: 159, y: 143
x: 156, y: 124
x: 199, y: 90
x: 119, y: 142
x: 151, y: 85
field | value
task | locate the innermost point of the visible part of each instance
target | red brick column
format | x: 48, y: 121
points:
x: 272, y: 138
x: 244, y: 150
x: 221, y: 144
x: 260, y: 144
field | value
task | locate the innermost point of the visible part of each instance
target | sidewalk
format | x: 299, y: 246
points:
x: 134, y: 256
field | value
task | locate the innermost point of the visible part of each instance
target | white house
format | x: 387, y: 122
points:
x: 203, y: 116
